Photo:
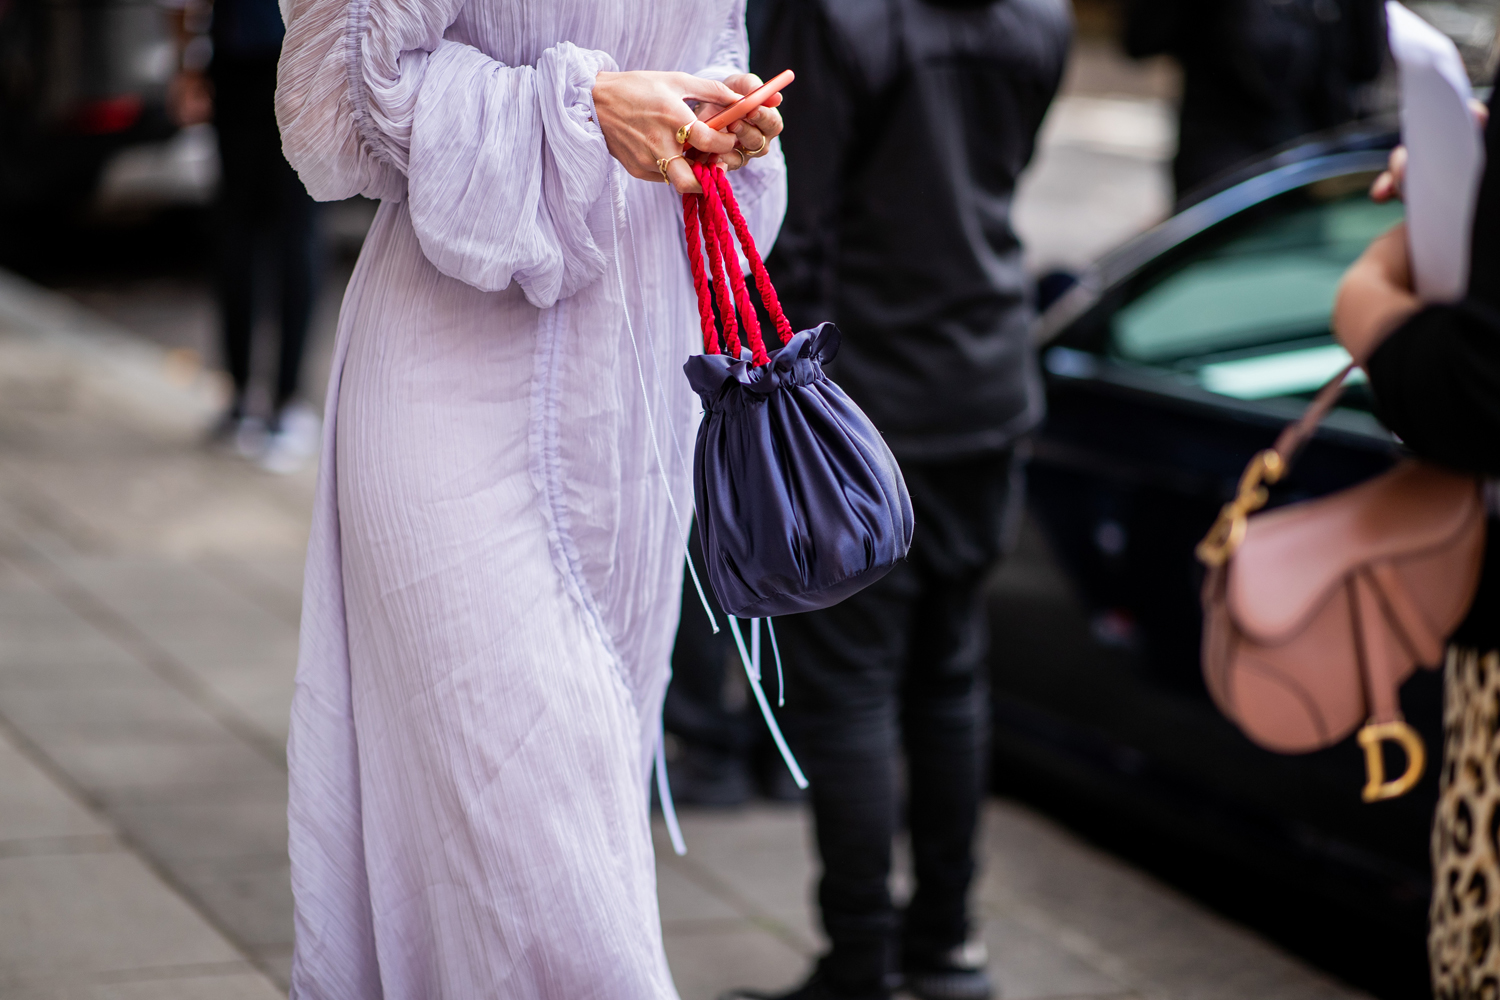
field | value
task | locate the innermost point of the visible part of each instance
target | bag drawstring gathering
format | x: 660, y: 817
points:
x: 752, y: 674
x: 776, y: 652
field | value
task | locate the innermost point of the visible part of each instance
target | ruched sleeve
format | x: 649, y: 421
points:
x: 500, y: 164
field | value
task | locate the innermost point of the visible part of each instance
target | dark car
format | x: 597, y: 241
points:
x: 79, y: 80
x: 1168, y: 366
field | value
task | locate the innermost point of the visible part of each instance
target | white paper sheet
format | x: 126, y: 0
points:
x: 1445, y: 154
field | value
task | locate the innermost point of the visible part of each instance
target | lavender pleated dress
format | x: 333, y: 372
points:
x: 493, y: 575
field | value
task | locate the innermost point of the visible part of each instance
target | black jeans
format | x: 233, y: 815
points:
x: 900, y: 665
x: 264, y: 211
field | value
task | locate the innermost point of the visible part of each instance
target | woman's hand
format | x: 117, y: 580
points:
x: 1375, y: 295
x: 1388, y: 184
x: 640, y: 113
x: 754, y: 132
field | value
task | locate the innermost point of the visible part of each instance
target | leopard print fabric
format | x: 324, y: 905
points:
x: 1463, y: 939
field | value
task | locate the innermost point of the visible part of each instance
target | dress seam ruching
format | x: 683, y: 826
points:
x: 546, y: 471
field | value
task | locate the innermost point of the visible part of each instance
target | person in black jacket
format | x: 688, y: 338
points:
x: 906, y: 130
x: 1257, y: 73
x: 1435, y: 373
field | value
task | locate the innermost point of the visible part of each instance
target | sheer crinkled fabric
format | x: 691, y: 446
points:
x: 493, y: 575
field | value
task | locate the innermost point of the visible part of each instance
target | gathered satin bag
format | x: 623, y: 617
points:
x: 1315, y: 613
x: 800, y: 502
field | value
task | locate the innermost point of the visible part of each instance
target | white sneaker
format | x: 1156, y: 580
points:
x: 294, y: 442
x: 250, y: 437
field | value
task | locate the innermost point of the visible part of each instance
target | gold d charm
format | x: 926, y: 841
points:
x: 1370, y: 737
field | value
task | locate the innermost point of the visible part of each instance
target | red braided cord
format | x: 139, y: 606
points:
x: 757, y: 267
x: 715, y: 207
x: 727, y: 318
x: 716, y: 267
x: 700, y: 277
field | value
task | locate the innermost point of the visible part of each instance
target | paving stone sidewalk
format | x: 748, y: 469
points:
x: 149, y: 595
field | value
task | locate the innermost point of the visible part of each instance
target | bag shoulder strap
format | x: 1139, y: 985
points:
x: 1267, y: 466
x: 1296, y: 434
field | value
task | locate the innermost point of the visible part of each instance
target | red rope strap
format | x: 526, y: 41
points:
x: 700, y: 277
x: 717, y: 271
x: 757, y: 267
x: 721, y: 283
x: 713, y: 203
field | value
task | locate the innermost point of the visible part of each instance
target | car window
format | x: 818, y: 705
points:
x: 1246, y: 312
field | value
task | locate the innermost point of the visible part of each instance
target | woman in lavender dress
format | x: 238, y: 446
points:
x: 493, y: 572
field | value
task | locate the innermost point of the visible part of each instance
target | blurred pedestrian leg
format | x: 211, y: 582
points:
x: 901, y: 664
x: 907, y: 128
x: 712, y: 767
x: 268, y: 224
x: 268, y: 232
x: 725, y: 753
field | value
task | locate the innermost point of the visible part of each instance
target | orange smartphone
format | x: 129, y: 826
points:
x: 751, y: 101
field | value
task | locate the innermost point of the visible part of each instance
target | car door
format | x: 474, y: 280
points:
x: 1174, y: 361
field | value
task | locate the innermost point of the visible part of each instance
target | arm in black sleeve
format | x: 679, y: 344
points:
x: 1437, y: 384
x: 1437, y: 378
x: 820, y: 112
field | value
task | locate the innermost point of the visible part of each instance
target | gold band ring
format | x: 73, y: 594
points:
x: 665, y: 162
x: 765, y: 141
x: 744, y: 158
x: 682, y: 133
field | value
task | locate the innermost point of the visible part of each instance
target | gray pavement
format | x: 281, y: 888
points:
x: 149, y: 598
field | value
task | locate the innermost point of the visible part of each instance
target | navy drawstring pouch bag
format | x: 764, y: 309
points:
x: 800, y: 502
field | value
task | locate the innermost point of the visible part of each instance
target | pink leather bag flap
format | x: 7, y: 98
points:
x: 1293, y: 558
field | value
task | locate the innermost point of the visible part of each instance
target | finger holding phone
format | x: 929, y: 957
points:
x: 649, y: 128
x: 754, y: 132
x: 642, y: 113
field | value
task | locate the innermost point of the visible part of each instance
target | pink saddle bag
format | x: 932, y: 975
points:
x: 1317, y: 612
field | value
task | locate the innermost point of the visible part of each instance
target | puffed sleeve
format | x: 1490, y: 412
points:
x: 499, y: 164
x: 760, y: 185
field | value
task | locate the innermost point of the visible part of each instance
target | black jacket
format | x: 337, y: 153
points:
x: 1257, y: 73
x: 905, y: 131
x: 247, y: 30
x: 1437, y: 381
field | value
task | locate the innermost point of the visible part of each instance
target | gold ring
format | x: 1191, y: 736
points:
x: 662, y: 165
x: 682, y: 133
x: 744, y: 159
x: 765, y: 141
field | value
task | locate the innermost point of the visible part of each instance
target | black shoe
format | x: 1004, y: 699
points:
x: 814, y: 989
x: 958, y: 974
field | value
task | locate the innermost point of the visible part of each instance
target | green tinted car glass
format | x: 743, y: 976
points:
x: 1271, y: 283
